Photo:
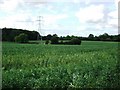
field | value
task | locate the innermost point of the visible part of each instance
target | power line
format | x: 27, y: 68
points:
x: 39, y: 27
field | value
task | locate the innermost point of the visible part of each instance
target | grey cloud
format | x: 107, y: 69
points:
x: 1, y: 1
x: 114, y: 26
x: 96, y: 22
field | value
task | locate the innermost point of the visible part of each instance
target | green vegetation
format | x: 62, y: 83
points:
x: 22, y: 38
x: 75, y: 41
x: 9, y: 34
x: 89, y: 65
x: 54, y: 40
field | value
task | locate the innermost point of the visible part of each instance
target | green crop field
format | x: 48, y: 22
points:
x: 89, y: 65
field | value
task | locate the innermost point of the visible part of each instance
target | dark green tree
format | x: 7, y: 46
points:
x: 48, y: 37
x: 47, y: 42
x: 55, y: 35
x: 9, y: 34
x: 75, y: 41
x: 104, y: 36
x: 22, y: 38
x: 68, y: 37
x: 91, y: 37
x: 54, y: 40
x: 118, y: 37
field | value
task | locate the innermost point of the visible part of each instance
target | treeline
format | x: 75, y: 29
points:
x: 55, y: 40
x: 91, y: 37
x: 9, y: 34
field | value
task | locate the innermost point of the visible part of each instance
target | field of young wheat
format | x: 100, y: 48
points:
x: 89, y: 65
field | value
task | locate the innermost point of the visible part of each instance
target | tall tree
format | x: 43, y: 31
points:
x: 91, y: 37
x: 55, y: 39
x: 49, y: 36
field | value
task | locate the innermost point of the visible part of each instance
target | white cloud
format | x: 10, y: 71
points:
x: 90, y: 13
x: 22, y: 21
x: 50, y: 22
x: 17, y: 21
x: 46, y: 1
x: 95, y: 15
x: 91, y: 1
x: 113, y: 20
x: 113, y: 14
x: 10, y: 5
x: 76, y: 1
x: 81, y: 1
x: 52, y: 19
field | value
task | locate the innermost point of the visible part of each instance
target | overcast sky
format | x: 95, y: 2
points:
x: 63, y: 17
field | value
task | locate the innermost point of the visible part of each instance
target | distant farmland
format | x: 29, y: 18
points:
x: 89, y: 65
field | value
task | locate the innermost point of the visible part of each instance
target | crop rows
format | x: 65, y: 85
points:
x: 90, y: 65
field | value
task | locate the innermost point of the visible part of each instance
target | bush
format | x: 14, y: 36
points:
x: 47, y: 42
x: 54, y: 40
x: 75, y: 41
x: 22, y: 38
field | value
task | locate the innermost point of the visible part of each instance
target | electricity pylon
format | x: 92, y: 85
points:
x: 39, y: 28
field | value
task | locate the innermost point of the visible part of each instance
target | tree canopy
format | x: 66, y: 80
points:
x: 22, y: 38
x: 9, y: 34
